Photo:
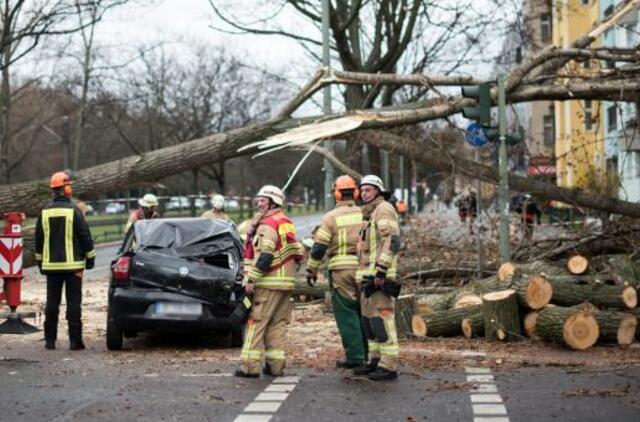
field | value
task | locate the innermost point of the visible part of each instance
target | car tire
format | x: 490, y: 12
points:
x: 114, y: 335
x: 236, y: 337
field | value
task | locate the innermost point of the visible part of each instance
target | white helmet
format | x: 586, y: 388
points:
x: 148, y: 200
x: 218, y: 202
x: 372, y: 180
x: 272, y: 192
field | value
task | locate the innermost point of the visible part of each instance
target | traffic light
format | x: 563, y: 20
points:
x: 482, y: 112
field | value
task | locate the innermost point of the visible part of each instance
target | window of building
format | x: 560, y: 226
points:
x: 545, y: 27
x: 549, y: 131
x: 612, y: 118
x: 588, y: 115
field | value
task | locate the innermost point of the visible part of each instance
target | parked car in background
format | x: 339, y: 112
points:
x: 115, y: 208
x: 232, y: 204
x: 176, y: 275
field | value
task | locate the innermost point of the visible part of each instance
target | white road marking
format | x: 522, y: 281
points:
x: 491, y: 419
x: 485, y: 406
x: 472, y: 370
x: 480, y: 378
x: 267, y: 403
x: 489, y: 409
x: 485, y: 388
x: 486, y: 398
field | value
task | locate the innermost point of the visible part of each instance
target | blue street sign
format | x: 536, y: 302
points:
x: 475, y: 135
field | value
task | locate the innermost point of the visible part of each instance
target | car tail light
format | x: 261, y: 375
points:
x: 121, y: 270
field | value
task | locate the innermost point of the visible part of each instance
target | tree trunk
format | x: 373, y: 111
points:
x: 530, y: 322
x: 405, y: 309
x: 501, y: 316
x: 624, y: 270
x: 533, y: 291
x: 473, y: 326
x: 445, y: 323
x: 616, y: 327
x: 566, y: 293
x: 574, y: 327
x: 635, y: 312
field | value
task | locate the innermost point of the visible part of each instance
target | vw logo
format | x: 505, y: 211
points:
x: 183, y: 271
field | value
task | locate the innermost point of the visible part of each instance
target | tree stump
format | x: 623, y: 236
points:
x: 575, y: 327
x: 445, y: 323
x: 577, y: 264
x: 602, y: 295
x: 405, y: 309
x: 616, y: 327
x: 501, y: 316
x: 473, y: 326
x: 530, y: 322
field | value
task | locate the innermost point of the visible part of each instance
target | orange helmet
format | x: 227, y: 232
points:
x: 59, y: 180
x: 345, y: 182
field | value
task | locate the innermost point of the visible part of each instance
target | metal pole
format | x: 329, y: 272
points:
x: 385, y: 169
x: 326, y: 109
x: 479, y: 218
x: 401, y: 178
x: 505, y: 247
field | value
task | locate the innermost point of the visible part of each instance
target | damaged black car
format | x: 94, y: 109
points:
x: 176, y: 275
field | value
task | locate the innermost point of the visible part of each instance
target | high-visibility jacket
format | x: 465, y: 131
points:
x: 63, y: 239
x: 339, y: 231
x: 275, y: 235
x: 379, y: 240
x: 215, y: 215
x: 138, y: 215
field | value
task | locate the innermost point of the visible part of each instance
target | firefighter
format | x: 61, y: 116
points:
x: 271, y: 254
x: 529, y: 212
x: 148, y: 210
x: 379, y: 244
x: 217, y: 212
x: 337, y: 238
x: 64, y: 248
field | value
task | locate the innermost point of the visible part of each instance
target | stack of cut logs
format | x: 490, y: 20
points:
x: 587, y: 302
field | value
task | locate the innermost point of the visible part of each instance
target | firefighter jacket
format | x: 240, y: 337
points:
x: 379, y: 240
x: 138, y: 215
x: 270, y: 255
x: 215, y: 215
x: 63, y: 239
x: 339, y: 232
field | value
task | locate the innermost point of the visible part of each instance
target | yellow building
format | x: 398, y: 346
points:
x: 579, y: 144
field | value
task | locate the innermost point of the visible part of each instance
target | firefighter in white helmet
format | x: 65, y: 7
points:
x: 270, y: 256
x: 148, y: 210
x: 217, y: 210
x: 379, y: 244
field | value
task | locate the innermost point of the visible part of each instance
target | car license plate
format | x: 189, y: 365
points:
x: 181, y: 309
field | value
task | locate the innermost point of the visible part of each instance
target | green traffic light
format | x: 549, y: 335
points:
x: 482, y: 94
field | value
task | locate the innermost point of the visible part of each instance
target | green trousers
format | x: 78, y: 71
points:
x: 347, y: 313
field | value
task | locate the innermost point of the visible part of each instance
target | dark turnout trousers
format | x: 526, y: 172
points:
x: 73, y: 293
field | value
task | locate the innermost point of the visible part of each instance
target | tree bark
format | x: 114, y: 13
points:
x: 404, y: 312
x: 572, y: 327
x: 616, y: 327
x: 445, y: 323
x: 567, y: 293
x: 624, y: 270
x: 473, y: 326
x: 501, y: 316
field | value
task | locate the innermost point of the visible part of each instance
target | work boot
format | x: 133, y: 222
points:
x: 49, y: 344
x: 240, y: 373
x: 345, y: 364
x: 75, y: 336
x: 367, y: 368
x: 383, y: 374
x: 268, y: 372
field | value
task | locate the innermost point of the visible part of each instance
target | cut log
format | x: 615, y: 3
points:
x: 573, y: 327
x: 534, y: 291
x: 506, y: 270
x: 436, y: 302
x: 473, y: 326
x: 405, y: 309
x: 530, y: 322
x: 501, y: 316
x: 466, y: 299
x: 616, y: 327
x: 624, y: 270
x: 635, y: 312
x: 602, y: 295
x: 445, y: 323
x: 577, y: 264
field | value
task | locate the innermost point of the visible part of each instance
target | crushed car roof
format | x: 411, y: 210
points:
x: 177, y: 233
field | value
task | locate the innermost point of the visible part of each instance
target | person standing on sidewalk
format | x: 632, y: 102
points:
x: 64, y: 249
x: 337, y: 238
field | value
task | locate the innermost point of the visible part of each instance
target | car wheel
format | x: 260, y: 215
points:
x: 130, y: 333
x: 236, y: 337
x: 114, y: 335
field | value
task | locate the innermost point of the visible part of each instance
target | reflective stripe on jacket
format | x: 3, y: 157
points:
x: 380, y: 223
x: 339, y: 231
x: 63, y: 239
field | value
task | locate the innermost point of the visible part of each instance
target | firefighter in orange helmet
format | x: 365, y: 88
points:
x: 64, y: 249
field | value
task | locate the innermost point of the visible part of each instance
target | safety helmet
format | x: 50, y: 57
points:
x: 372, y: 180
x: 272, y: 192
x: 345, y: 182
x: 59, y: 180
x: 218, y: 202
x: 148, y: 200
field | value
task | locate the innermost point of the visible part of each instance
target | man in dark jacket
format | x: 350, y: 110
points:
x: 64, y: 248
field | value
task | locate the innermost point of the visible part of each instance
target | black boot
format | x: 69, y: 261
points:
x: 50, y: 333
x: 242, y: 374
x: 366, y: 368
x: 75, y: 336
x: 345, y: 364
x: 383, y: 374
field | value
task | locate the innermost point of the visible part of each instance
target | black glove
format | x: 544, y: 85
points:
x: 391, y: 288
x: 311, y: 278
x: 368, y: 286
x: 90, y: 263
